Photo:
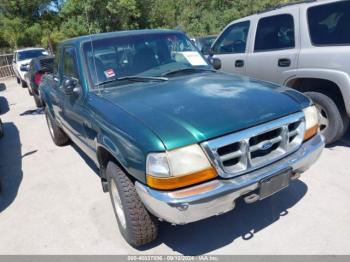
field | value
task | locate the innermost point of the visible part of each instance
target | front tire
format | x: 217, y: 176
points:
x: 30, y: 91
x: 18, y: 80
x: 57, y: 134
x: 136, y: 224
x: 38, y: 102
x: 23, y: 83
x: 333, y: 124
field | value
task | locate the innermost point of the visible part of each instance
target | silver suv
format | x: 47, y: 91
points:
x: 305, y: 46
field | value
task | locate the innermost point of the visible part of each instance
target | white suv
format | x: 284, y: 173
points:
x: 305, y: 46
x: 21, y: 60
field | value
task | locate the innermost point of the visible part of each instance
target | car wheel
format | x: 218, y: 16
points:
x: 18, y: 80
x: 30, y: 91
x: 57, y: 134
x: 136, y: 224
x: 23, y: 83
x: 38, y: 102
x: 332, y: 124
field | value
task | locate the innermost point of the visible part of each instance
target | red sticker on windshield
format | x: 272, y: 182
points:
x: 109, y: 73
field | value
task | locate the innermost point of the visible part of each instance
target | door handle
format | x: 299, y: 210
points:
x: 284, y: 62
x: 239, y: 63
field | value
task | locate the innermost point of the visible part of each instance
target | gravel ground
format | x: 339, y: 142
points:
x: 52, y: 202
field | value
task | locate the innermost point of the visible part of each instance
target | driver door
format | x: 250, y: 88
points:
x: 72, y: 117
x: 230, y: 47
x: 76, y: 115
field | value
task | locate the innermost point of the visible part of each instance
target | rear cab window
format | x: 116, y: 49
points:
x: 275, y: 33
x: 329, y: 24
x: 233, y: 40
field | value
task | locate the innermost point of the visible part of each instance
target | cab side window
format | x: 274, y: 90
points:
x: 329, y: 24
x: 69, y: 63
x: 56, y: 63
x: 275, y: 33
x: 233, y: 40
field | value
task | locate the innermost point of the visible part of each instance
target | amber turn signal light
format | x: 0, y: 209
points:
x: 168, y: 183
x: 309, y: 133
x: 195, y: 190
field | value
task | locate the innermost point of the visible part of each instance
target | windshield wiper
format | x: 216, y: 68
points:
x: 134, y: 78
x: 187, y: 70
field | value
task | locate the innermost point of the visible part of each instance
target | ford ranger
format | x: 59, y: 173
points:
x: 174, y: 139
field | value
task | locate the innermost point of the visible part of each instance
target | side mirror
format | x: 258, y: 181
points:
x: 206, y: 50
x: 24, y: 68
x: 14, y: 61
x: 71, y: 87
x: 211, y: 52
x: 216, y: 63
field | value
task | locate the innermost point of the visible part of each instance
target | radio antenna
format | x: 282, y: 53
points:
x: 92, y: 49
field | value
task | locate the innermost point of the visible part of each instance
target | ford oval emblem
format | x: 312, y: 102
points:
x: 266, y: 145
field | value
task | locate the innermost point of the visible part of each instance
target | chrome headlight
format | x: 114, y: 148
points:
x: 311, y: 122
x: 178, y: 168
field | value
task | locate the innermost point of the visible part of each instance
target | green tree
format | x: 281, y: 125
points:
x: 198, y: 17
x: 12, y: 30
x: 96, y: 16
x: 23, y: 21
x: 26, y: 9
x: 45, y: 22
x: 31, y: 35
x: 124, y: 14
x: 50, y: 25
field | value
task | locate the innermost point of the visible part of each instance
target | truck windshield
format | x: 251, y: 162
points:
x: 147, y: 55
x: 29, y: 54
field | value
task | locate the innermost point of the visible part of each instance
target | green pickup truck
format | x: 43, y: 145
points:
x: 174, y: 139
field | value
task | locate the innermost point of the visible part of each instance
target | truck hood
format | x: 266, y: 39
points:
x: 197, y: 107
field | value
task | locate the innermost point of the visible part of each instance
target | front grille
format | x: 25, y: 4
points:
x: 255, y: 147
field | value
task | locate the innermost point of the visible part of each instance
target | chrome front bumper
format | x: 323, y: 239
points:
x: 218, y: 196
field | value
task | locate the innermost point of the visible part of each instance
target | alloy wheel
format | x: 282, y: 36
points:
x: 118, y: 207
x: 323, y: 118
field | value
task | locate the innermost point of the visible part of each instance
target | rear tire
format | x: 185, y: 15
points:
x: 333, y: 124
x: 18, y: 80
x: 23, y: 83
x: 38, y: 102
x: 136, y: 224
x: 57, y: 134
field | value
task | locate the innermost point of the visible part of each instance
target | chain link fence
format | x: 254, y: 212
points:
x: 6, y: 69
